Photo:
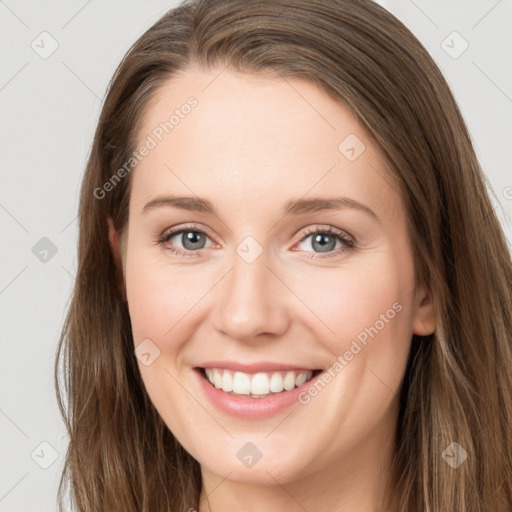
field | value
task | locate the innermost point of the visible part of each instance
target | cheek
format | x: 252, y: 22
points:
x: 159, y: 296
x: 160, y: 299
x: 343, y: 301
x: 362, y: 315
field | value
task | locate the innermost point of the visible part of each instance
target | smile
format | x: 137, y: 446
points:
x: 257, y: 385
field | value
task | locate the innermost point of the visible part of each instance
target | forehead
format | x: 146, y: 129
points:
x: 239, y: 135
x: 233, y: 103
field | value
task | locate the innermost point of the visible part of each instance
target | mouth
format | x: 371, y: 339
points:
x: 256, y: 385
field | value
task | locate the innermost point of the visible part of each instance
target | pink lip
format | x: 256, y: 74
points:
x: 250, y: 408
x: 252, y: 367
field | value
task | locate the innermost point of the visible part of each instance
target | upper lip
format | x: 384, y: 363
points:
x: 262, y: 366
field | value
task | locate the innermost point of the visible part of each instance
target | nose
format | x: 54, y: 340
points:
x: 251, y: 302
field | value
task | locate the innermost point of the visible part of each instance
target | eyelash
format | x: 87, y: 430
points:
x: 348, y: 241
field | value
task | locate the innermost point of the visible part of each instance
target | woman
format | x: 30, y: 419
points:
x: 292, y: 292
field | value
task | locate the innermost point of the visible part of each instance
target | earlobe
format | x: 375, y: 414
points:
x: 424, y: 320
x: 114, y: 246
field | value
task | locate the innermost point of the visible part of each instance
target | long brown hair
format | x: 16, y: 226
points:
x: 458, y: 382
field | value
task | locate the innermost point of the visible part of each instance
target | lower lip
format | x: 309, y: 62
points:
x: 251, y: 408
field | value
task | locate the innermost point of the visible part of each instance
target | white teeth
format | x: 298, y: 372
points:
x: 289, y: 381
x: 241, y: 383
x: 217, y: 379
x: 227, y: 382
x: 300, y: 379
x: 259, y: 384
x: 276, y: 383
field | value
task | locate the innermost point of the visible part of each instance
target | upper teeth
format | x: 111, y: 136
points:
x: 258, y: 383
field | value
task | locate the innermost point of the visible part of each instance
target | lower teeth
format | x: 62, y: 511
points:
x: 254, y: 396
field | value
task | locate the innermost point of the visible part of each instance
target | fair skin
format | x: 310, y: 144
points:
x: 251, y: 145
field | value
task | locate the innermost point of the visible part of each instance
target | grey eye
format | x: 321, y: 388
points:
x: 322, y: 242
x: 190, y: 240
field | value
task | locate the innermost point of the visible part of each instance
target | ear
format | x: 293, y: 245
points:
x: 114, y: 246
x: 424, y: 319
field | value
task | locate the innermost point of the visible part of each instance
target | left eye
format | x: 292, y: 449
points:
x: 324, y: 240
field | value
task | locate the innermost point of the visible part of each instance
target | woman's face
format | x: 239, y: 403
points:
x: 254, y: 292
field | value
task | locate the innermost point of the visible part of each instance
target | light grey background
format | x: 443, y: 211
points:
x: 49, y: 108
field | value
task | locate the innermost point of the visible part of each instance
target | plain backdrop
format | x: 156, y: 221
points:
x: 57, y: 58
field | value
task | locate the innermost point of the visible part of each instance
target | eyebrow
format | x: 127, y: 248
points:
x: 292, y: 207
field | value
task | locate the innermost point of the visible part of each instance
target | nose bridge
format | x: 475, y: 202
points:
x: 251, y: 301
